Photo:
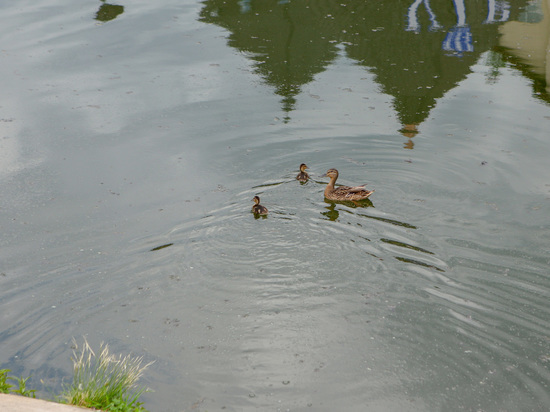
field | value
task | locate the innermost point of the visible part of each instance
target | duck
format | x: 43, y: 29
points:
x: 258, y: 209
x: 303, y: 176
x: 344, y: 193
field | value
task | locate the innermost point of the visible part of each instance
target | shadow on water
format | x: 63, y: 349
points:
x: 418, y: 51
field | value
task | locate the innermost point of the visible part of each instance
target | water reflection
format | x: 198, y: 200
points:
x: 401, y: 247
x: 418, y: 262
x: 390, y: 221
x: 525, y: 45
x: 108, y: 11
x: 161, y: 247
x: 418, y: 50
x: 333, y: 214
x: 140, y: 233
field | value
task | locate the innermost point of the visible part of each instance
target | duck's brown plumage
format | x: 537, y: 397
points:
x: 258, y: 209
x: 303, y: 176
x: 344, y: 193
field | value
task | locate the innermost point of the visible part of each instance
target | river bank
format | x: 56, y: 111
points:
x: 16, y: 403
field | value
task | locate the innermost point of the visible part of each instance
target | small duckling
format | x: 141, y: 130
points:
x: 258, y: 209
x: 344, y: 193
x: 303, y: 176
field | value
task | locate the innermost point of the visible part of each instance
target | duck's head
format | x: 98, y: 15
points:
x: 303, y: 167
x: 256, y: 200
x: 332, y: 173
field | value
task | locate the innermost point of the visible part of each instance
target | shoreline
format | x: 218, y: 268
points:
x: 18, y: 403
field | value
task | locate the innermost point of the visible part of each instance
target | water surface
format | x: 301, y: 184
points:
x: 129, y: 127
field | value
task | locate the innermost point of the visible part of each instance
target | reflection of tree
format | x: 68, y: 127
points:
x: 540, y: 84
x: 290, y: 42
x: 285, y: 40
x: 108, y: 12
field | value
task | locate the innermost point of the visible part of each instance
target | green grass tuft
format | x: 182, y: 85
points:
x: 106, y: 382
x: 5, y: 387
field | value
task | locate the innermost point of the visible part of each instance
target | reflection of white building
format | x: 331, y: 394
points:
x: 412, y: 17
x: 459, y: 38
x: 498, y: 11
x: 530, y: 39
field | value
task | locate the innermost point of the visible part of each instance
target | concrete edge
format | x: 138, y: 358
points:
x: 16, y: 403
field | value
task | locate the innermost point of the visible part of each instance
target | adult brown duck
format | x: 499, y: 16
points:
x: 344, y: 193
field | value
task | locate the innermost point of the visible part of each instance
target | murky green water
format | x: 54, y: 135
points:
x: 125, y: 127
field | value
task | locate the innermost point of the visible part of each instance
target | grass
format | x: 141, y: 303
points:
x: 107, y: 382
x: 6, y: 387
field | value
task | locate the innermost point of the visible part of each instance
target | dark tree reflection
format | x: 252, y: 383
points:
x: 108, y: 12
x: 417, y: 49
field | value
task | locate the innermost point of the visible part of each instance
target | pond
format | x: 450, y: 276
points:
x: 134, y: 135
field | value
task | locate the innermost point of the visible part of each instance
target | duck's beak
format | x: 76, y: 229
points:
x: 324, y: 175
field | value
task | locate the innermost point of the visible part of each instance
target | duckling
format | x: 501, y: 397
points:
x: 303, y: 176
x: 258, y: 209
x: 344, y: 193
